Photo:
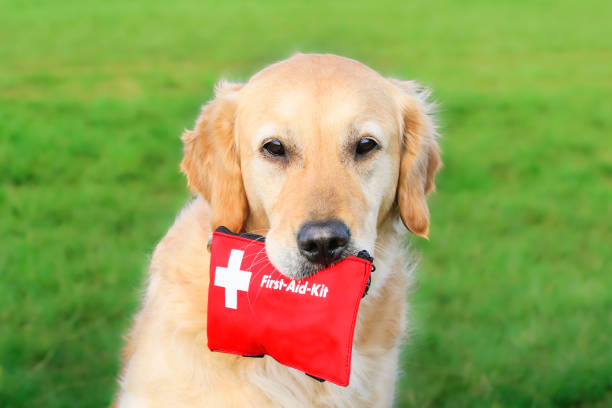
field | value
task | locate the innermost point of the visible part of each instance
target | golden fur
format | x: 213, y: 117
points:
x: 319, y: 106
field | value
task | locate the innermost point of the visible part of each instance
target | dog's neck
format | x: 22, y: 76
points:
x: 382, y: 319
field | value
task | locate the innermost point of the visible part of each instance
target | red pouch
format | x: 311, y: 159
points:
x: 306, y: 324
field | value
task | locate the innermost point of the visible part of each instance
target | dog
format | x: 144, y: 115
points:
x: 323, y: 156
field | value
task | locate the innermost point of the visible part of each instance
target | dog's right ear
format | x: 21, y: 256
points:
x: 210, y: 159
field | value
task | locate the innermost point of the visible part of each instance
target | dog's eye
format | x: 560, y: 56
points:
x: 275, y: 148
x: 365, y: 145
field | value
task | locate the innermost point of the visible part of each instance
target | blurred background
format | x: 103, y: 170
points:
x: 513, y: 302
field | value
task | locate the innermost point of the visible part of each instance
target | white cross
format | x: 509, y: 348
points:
x: 232, y: 278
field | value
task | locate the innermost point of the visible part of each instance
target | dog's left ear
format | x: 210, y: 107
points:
x: 420, y: 157
x: 210, y: 159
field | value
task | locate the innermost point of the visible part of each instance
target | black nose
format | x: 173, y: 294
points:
x: 323, y: 242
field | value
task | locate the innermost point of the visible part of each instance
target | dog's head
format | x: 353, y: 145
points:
x: 317, y: 153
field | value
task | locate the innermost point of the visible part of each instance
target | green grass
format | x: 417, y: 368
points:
x: 513, y: 306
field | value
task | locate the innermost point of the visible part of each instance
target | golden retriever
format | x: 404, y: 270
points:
x: 324, y: 157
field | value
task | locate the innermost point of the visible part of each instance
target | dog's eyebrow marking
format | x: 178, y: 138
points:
x: 373, y: 129
x: 265, y: 131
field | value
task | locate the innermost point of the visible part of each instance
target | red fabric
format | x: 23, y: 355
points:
x: 310, y: 329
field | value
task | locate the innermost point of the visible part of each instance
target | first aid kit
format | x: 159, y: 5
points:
x: 307, y: 324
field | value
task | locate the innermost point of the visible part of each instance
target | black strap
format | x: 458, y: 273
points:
x: 254, y: 237
x: 315, y: 378
x: 365, y: 255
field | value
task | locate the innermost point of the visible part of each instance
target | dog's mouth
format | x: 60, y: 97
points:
x: 315, y: 246
x: 303, y: 268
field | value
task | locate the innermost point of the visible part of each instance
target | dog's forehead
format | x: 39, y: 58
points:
x: 307, y: 87
x: 316, y: 67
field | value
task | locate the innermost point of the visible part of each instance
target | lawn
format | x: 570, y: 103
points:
x: 513, y: 302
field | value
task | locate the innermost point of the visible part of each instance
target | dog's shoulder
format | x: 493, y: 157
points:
x: 183, y: 248
x: 166, y: 348
x: 178, y: 277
